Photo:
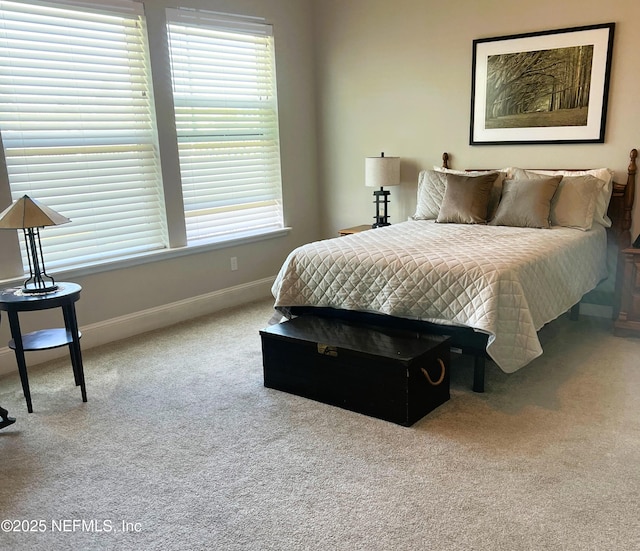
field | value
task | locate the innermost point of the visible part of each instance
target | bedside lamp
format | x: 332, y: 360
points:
x: 378, y: 172
x: 29, y: 216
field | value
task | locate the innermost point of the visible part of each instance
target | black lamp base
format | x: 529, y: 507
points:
x: 381, y: 201
x: 38, y: 281
x: 32, y: 289
x: 380, y: 223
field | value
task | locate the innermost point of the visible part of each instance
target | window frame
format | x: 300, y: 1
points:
x: 178, y: 246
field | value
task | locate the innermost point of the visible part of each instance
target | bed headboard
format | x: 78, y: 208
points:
x: 620, y: 206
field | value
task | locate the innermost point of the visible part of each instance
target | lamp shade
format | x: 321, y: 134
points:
x: 29, y: 213
x: 382, y: 171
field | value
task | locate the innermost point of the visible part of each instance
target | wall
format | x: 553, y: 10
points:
x: 396, y: 77
x: 124, y: 293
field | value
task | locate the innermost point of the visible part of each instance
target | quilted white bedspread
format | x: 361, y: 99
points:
x: 503, y: 281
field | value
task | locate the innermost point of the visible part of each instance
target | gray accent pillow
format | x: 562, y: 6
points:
x: 496, y: 191
x: 466, y: 199
x: 574, y: 203
x: 605, y: 191
x: 526, y: 203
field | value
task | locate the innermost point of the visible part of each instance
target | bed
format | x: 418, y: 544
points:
x: 489, y: 258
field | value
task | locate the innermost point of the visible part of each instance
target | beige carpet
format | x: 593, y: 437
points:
x: 181, y: 441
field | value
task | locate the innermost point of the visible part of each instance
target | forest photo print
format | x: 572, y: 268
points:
x: 525, y: 90
x: 544, y: 88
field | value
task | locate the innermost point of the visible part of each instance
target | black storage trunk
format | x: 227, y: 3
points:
x: 397, y: 376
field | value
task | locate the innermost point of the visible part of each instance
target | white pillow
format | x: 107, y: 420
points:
x: 496, y: 191
x: 431, y: 188
x: 603, y: 198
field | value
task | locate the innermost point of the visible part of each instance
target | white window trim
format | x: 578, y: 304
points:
x: 152, y: 257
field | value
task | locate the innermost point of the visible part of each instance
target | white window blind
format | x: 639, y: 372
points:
x: 224, y: 88
x: 77, y: 125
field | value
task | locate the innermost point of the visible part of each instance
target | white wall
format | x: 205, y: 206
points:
x: 120, y: 294
x: 387, y: 76
x: 396, y: 77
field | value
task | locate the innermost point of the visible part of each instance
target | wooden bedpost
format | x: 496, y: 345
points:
x: 629, y: 195
x: 622, y: 225
x: 621, y: 205
x: 445, y: 160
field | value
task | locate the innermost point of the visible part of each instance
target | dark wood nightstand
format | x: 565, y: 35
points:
x: 628, y: 322
x: 354, y: 229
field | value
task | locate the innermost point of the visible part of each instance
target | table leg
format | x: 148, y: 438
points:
x: 5, y: 420
x: 16, y: 335
x: 71, y: 325
x: 478, y: 372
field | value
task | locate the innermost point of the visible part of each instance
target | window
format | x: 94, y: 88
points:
x: 224, y: 93
x: 77, y: 126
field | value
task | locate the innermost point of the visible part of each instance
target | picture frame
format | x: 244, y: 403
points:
x: 547, y: 87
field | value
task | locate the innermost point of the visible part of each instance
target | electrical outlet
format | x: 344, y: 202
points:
x: 234, y: 263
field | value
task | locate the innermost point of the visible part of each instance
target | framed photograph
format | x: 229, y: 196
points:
x: 543, y: 87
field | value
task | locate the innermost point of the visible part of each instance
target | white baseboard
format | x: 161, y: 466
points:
x: 123, y: 327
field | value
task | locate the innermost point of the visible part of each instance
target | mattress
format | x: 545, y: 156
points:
x: 506, y: 282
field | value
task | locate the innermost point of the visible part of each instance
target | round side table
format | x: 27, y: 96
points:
x: 15, y: 300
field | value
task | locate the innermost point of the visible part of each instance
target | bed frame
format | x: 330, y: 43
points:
x: 466, y: 339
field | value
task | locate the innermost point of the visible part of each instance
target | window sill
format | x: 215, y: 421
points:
x: 154, y: 256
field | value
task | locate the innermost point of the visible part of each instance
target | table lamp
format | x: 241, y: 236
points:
x: 378, y: 172
x: 29, y: 216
